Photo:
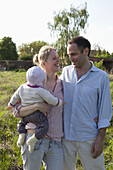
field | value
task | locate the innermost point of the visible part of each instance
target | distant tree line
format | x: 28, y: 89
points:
x: 8, y: 50
x: 100, y: 52
x: 26, y: 51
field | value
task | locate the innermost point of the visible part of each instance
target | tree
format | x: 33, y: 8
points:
x: 67, y: 25
x: 26, y: 51
x: 8, y: 49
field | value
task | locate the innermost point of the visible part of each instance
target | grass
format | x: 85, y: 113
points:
x: 10, y: 157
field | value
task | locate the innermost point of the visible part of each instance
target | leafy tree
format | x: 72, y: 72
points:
x: 8, y: 49
x: 26, y: 51
x: 68, y: 24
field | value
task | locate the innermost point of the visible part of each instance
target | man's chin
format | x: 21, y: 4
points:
x: 75, y: 65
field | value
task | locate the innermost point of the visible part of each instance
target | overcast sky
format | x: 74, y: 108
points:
x: 26, y: 21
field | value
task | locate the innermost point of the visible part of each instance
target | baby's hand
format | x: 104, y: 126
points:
x: 63, y: 102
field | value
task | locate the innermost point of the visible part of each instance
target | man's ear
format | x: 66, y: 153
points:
x: 86, y: 51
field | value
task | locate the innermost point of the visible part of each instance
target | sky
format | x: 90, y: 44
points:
x: 26, y: 21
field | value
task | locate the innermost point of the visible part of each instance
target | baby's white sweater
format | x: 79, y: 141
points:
x: 31, y: 95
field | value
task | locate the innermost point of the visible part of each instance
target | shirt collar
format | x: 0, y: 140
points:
x: 93, y: 68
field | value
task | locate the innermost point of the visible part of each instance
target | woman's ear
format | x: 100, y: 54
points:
x: 43, y: 63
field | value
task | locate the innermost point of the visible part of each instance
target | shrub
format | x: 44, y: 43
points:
x: 26, y: 57
x: 99, y: 65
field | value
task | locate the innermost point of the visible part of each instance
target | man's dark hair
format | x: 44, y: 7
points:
x: 81, y: 42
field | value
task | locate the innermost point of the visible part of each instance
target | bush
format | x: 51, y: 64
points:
x: 108, y: 149
x: 99, y: 65
x: 26, y: 57
x: 107, y: 55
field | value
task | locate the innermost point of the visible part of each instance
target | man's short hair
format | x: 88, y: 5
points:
x: 81, y: 42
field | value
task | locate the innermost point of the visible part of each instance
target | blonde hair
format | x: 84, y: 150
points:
x: 42, y: 55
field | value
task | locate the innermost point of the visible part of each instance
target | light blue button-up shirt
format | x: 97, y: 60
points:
x: 86, y: 98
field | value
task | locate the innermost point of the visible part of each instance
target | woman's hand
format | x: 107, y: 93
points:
x: 42, y: 107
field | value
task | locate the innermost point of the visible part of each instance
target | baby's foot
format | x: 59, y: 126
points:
x: 21, y: 139
x: 31, y: 143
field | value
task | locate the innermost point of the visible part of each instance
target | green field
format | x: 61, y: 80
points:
x: 10, y: 158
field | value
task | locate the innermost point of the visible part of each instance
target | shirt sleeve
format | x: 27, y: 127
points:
x: 49, y: 98
x: 14, y: 99
x: 16, y: 110
x: 104, y: 104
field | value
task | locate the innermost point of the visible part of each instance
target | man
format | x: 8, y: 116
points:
x: 87, y: 96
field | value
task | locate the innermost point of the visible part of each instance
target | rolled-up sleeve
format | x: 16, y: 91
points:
x: 105, y: 104
x: 16, y: 110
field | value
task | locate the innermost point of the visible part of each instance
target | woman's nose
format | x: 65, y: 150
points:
x: 58, y: 60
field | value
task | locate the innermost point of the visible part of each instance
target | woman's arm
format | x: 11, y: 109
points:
x: 27, y: 110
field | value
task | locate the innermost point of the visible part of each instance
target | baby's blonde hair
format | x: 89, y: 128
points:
x: 42, y: 55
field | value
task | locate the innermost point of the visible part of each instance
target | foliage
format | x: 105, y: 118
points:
x: 111, y: 88
x: 100, y: 53
x: 68, y: 24
x: 108, y: 149
x: 10, y: 154
x: 10, y: 157
x: 26, y: 57
x: 8, y: 49
x: 26, y: 51
x: 99, y: 65
x: 107, y: 55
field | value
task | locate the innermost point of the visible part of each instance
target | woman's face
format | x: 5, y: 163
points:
x: 53, y: 62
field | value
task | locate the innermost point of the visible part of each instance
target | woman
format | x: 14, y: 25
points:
x: 48, y: 149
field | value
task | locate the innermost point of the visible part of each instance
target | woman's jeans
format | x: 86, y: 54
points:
x: 46, y: 149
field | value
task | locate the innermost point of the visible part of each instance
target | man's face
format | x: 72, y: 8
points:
x: 77, y: 57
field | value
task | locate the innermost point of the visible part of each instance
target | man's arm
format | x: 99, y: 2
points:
x: 97, y: 147
x: 105, y: 114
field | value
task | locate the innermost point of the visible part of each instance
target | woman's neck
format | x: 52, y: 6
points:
x: 51, y: 76
x: 51, y: 81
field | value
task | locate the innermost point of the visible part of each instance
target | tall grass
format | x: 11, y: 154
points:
x: 10, y: 158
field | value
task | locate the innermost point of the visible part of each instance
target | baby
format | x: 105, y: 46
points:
x: 29, y: 93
